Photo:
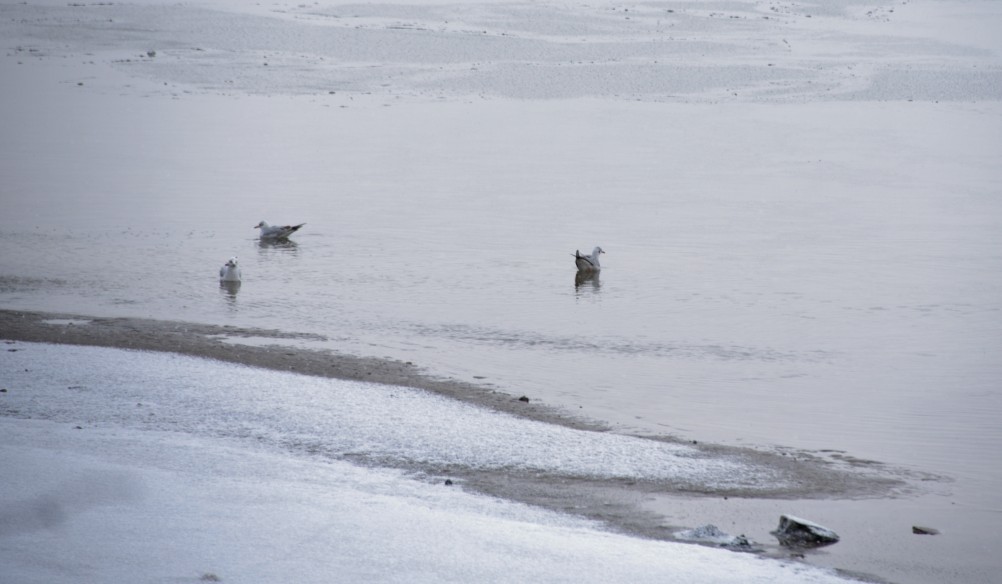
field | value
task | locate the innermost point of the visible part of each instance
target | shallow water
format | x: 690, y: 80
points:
x: 852, y: 316
x: 810, y: 267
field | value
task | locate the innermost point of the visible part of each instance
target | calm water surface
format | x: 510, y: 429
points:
x: 815, y: 297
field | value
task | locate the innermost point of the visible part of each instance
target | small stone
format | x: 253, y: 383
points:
x: 523, y: 399
x: 448, y: 482
x: 919, y: 530
x: 3, y: 390
x: 151, y: 53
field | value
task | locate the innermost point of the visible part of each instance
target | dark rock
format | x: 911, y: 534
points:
x: 796, y: 532
x: 523, y: 399
x: 918, y: 530
x: 448, y: 482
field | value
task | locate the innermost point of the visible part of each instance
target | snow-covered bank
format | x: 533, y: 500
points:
x: 166, y: 392
x: 365, y: 422
x: 124, y: 473
x: 112, y: 505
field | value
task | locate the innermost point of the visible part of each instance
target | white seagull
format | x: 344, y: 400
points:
x: 588, y: 263
x: 276, y: 232
x: 229, y: 272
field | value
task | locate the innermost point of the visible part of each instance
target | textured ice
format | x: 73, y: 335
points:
x: 166, y: 392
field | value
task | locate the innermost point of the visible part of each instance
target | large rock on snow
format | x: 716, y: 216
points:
x: 797, y: 532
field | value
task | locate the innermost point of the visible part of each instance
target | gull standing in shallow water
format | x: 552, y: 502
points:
x: 230, y: 272
x: 588, y: 263
x: 276, y: 232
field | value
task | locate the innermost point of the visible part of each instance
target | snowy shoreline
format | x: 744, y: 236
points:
x: 106, y: 505
x: 98, y: 436
x: 813, y: 476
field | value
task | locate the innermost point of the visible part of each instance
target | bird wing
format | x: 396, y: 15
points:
x: 280, y: 231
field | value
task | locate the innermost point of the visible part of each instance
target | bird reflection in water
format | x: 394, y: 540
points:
x: 587, y: 280
x: 229, y: 291
x: 279, y: 245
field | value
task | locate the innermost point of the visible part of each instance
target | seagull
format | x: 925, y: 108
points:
x: 229, y: 272
x: 588, y: 263
x: 276, y: 232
